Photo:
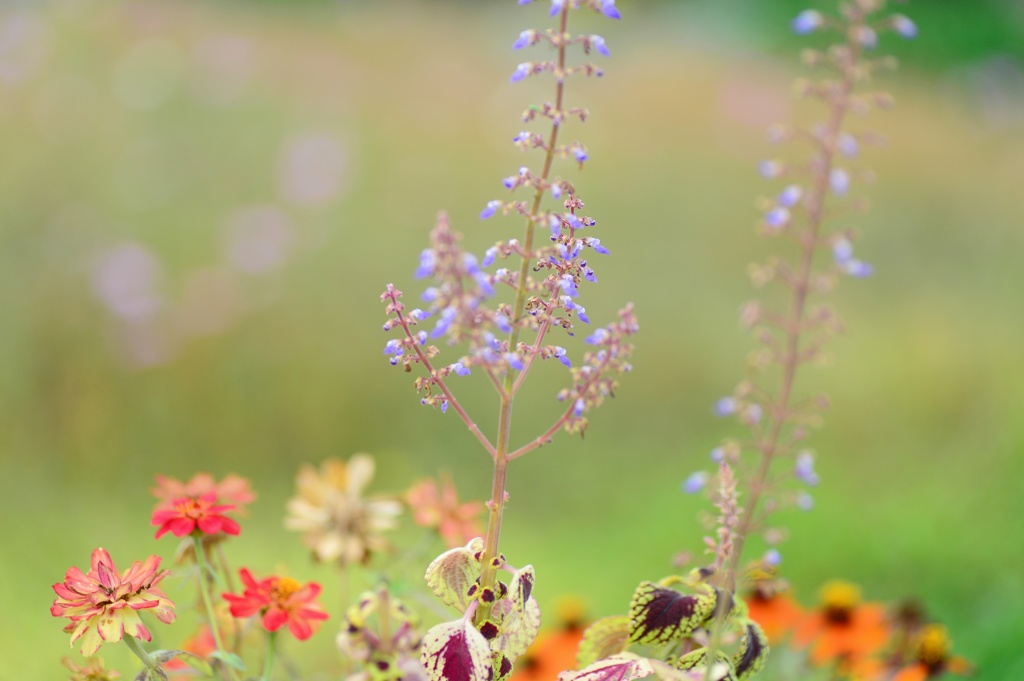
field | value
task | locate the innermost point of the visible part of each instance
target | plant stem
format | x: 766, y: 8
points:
x: 197, y: 545
x: 140, y: 652
x: 268, y: 663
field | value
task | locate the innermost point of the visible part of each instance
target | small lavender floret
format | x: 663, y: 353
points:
x: 847, y: 144
x: 580, y: 154
x: 522, y: 71
x: 777, y: 218
x: 718, y: 454
x: 444, y: 406
x: 514, y: 361
x: 556, y: 191
x: 581, y: 314
x: 597, y: 337
x: 695, y: 482
x: 393, y: 347
x: 609, y: 10
x: 555, y: 223
x: 560, y: 356
x: 489, y: 210
x: 807, y: 21
x: 599, y: 45
x: 418, y: 314
x: 573, y: 221
x: 867, y: 38
x: 804, y: 469
x: 772, y: 558
x: 858, y: 268
x: 444, y: 323
x: 753, y: 414
x: 421, y: 337
x: 501, y: 321
x: 578, y: 406
x: 842, y: 250
x: 427, y: 260
x: 523, y: 40
x: 725, y: 406
x: 790, y: 195
x: 430, y: 295
x: 804, y: 501
x: 523, y: 136
x: 904, y: 26
x: 509, y: 182
x: 557, y: 6
x: 769, y: 169
x: 484, y: 282
x: 460, y: 369
x: 839, y: 180
x: 589, y: 275
x: 568, y: 285
x: 489, y: 255
x: 596, y: 245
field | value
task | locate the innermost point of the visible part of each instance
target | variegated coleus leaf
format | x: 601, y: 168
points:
x: 753, y: 652
x: 605, y: 637
x: 456, y: 651
x: 621, y: 667
x: 659, y: 614
x: 502, y: 666
x: 697, y: 661
x: 515, y: 619
x: 451, y: 575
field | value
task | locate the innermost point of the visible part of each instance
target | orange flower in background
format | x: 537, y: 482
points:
x: 439, y: 508
x: 770, y: 605
x: 553, y: 652
x: 842, y: 629
x: 279, y: 601
x: 189, y: 514
x: 102, y: 604
x: 201, y: 644
x: 233, y: 489
x: 932, y: 652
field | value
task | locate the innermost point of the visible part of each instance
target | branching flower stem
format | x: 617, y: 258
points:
x: 501, y: 456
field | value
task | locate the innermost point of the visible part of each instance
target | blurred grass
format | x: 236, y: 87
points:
x: 921, y: 456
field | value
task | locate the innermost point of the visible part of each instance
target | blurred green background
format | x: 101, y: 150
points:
x: 202, y: 202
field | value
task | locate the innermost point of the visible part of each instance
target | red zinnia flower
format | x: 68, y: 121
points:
x: 279, y: 601
x: 188, y: 514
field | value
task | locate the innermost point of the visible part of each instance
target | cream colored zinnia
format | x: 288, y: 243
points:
x: 336, y: 522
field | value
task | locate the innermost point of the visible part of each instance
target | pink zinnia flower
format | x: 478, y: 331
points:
x: 101, y: 604
x: 279, y: 601
x: 233, y: 489
x: 189, y: 514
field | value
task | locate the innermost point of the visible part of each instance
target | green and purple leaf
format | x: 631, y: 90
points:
x: 606, y: 637
x: 452, y: 574
x: 659, y: 614
x: 696, y: 662
x: 753, y: 652
x: 456, y: 651
x: 517, y: 626
x: 621, y: 667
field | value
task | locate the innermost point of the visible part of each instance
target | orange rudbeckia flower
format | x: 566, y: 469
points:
x: 933, y: 658
x: 769, y: 604
x: 553, y: 652
x: 843, y: 628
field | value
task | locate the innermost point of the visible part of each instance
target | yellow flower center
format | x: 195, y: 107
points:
x: 839, y: 599
x: 285, y: 587
x: 933, y: 645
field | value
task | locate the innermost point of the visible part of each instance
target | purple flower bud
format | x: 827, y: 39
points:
x: 596, y: 245
x: 491, y: 208
x: 597, y: 337
x: 580, y: 154
x: 839, y: 180
x: 609, y: 10
x: 556, y: 6
x: 522, y: 71
x: 514, y: 361
x: 790, y: 195
x: 509, y: 182
x: 460, y: 369
x: 578, y: 406
x: 842, y: 250
x: 718, y: 454
x: 418, y: 315
x: 772, y: 558
x: 867, y: 37
x: 904, y: 26
x: 573, y: 221
x: 489, y: 255
x: 807, y: 21
x: 525, y: 2
x: 598, y: 43
x: 444, y: 323
x: 857, y: 268
x: 393, y: 347
x: 568, y: 285
x: 769, y: 169
x: 847, y: 144
x: 394, y: 360
x: 560, y: 356
x: 523, y: 40
x: 493, y: 342
x: 804, y: 468
x: 776, y: 218
x: 589, y: 275
x: 523, y: 137
x: 804, y: 501
x: 556, y: 191
x: 725, y: 406
x: 695, y: 482
x: 444, y: 407
x: 501, y: 321
x: 430, y: 295
x: 568, y: 303
x: 421, y: 337
x: 484, y: 282
x: 469, y: 261
x: 581, y: 314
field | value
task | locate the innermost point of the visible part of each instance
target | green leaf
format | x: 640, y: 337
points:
x: 621, y: 667
x: 517, y: 627
x: 228, y: 658
x: 697, y: 660
x: 456, y: 651
x: 753, y: 652
x: 452, y: 574
x: 658, y: 614
x: 605, y: 637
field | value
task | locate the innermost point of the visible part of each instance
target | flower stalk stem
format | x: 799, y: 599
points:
x: 140, y: 652
x: 268, y: 664
x: 197, y: 544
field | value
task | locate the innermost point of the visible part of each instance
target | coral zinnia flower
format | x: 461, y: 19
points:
x: 843, y: 628
x: 102, y: 605
x: 279, y: 601
x: 440, y: 509
x: 932, y: 653
x: 232, y: 489
x: 188, y: 514
x: 336, y: 521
